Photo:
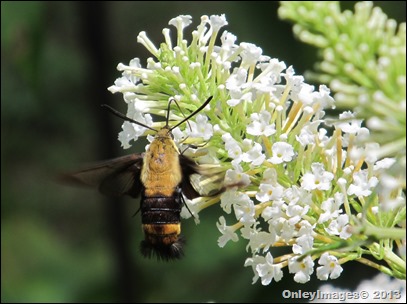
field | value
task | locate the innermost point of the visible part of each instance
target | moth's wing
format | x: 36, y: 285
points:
x: 118, y: 176
x: 124, y: 181
x: 189, y: 168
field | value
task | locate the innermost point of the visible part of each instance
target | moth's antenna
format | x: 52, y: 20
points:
x: 122, y: 116
x: 168, y: 112
x: 194, y: 113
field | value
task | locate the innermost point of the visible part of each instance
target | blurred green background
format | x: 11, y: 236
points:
x: 61, y: 244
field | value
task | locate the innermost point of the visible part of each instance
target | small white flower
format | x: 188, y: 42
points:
x: 122, y: 84
x: 302, y: 270
x: 306, y: 228
x: 318, y: 179
x: 245, y: 213
x: 331, y: 206
x: 260, y: 124
x: 372, y: 151
x: 235, y: 198
x: 324, y: 98
x: 178, y: 134
x: 217, y: 22
x: 350, y: 124
x: 228, y: 233
x: 295, y: 82
x: 132, y: 131
x: 303, y: 244
x: 228, y: 41
x: 307, y: 94
x: 181, y: 22
x: 282, y: 152
x: 387, y: 186
x: 329, y: 268
x: 250, y: 55
x: 269, y: 192
x: 285, y: 229
x: 340, y: 227
x: 295, y: 212
x: 228, y: 198
x: 253, y: 262
x: 361, y: 185
x: 384, y: 163
x: 201, y: 128
x: 298, y: 195
x: 270, y: 176
x: 244, y: 208
x: 237, y: 81
x: 228, y: 140
x: 268, y: 271
x: 276, y: 211
x: 234, y: 148
x: 271, y: 70
x: 258, y: 240
x: 254, y: 156
x: 236, y: 177
x: 193, y: 210
x: 148, y: 44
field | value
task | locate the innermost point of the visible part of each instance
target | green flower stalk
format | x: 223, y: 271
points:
x: 325, y: 198
x: 363, y: 58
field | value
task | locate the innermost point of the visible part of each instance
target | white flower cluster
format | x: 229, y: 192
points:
x: 301, y: 185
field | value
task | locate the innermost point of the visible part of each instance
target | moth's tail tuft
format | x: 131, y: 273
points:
x: 162, y: 251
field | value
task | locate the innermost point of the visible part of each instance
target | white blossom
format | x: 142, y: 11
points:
x: 201, y: 128
x: 260, y: 124
x: 361, y: 184
x: 329, y: 268
x: 282, y: 152
x: 318, y: 179
x: 227, y: 232
x: 340, y: 226
x: 302, y: 269
x: 268, y: 271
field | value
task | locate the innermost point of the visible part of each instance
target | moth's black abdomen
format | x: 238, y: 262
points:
x: 161, y: 209
x: 160, y: 216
